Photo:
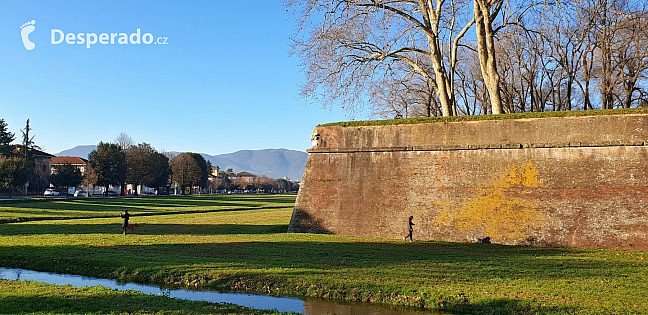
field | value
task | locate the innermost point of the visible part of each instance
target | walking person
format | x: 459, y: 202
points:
x: 410, y: 226
x: 125, y: 216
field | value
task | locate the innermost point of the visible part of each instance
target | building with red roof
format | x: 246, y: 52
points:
x: 79, y: 163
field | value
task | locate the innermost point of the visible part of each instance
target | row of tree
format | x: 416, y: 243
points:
x: 118, y: 164
x: 111, y: 164
x: 225, y: 181
x: 467, y: 57
x: 123, y: 162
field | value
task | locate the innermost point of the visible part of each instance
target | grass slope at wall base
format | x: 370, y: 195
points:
x: 568, y: 181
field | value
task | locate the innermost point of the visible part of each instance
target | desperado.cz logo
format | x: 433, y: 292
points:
x: 89, y: 39
x: 25, y: 30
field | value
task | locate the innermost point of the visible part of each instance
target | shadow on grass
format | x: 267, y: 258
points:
x: 114, y: 213
x: 85, y: 204
x: 466, y: 262
x: 505, y: 306
x: 141, y: 229
x: 104, y: 205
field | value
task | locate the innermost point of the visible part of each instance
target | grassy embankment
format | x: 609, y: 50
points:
x: 427, y: 120
x: 205, y: 242
x: 38, y: 298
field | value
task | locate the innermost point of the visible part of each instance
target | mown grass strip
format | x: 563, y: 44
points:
x: 22, y: 210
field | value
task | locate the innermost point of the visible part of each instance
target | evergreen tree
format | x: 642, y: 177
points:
x: 160, y: 170
x: 28, y: 142
x: 109, y: 164
x: 138, y: 164
x: 66, y: 175
x: 205, y: 169
x: 14, y: 173
x: 6, y: 137
x: 146, y: 166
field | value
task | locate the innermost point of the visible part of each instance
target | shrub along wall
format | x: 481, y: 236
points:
x: 568, y: 181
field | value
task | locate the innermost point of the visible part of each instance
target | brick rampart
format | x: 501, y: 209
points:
x: 576, y: 181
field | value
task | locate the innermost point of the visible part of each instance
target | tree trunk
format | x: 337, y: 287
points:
x: 587, y: 77
x: 629, y: 88
x: 442, y: 90
x: 486, y: 50
x: 443, y: 86
x: 606, y: 61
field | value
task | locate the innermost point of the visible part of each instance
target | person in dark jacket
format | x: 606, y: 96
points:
x: 125, y: 216
x: 410, y: 226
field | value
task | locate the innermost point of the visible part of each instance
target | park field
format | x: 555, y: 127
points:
x: 239, y: 242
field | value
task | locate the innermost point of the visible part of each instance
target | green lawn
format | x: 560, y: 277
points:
x: 63, y: 208
x: 38, y: 298
x: 239, y: 242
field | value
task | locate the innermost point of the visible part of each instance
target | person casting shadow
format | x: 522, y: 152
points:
x: 125, y: 216
x: 410, y: 227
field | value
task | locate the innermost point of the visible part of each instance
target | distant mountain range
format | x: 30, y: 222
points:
x: 274, y: 163
x: 81, y: 151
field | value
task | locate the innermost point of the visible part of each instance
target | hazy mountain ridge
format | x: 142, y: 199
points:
x: 274, y: 163
x: 81, y: 151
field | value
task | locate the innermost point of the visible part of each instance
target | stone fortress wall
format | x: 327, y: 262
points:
x: 569, y: 181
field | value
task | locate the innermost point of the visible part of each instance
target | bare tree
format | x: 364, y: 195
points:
x: 355, y: 42
x: 189, y: 170
x: 631, y: 57
x: 566, y: 39
x: 569, y: 52
x: 412, y: 58
x: 124, y: 141
x: 611, y: 40
x: 90, y: 177
x: 517, y: 68
x: 186, y: 171
x: 409, y: 95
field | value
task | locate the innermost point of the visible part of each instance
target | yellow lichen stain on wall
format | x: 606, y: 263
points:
x: 491, y: 213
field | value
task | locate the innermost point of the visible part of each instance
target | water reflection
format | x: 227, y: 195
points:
x: 282, y: 304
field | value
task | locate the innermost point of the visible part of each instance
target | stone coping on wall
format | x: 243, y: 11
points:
x: 588, y: 131
x: 481, y: 147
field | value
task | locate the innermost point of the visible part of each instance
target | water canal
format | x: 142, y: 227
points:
x: 283, y: 304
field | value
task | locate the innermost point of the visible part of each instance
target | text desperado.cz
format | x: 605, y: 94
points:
x: 90, y: 39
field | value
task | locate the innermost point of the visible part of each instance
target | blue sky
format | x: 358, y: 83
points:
x: 223, y: 82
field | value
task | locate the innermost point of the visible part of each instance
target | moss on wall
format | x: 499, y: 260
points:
x: 492, y: 212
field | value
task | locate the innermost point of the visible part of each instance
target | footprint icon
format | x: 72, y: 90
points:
x: 26, y: 29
